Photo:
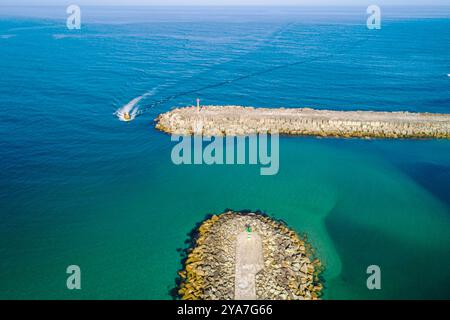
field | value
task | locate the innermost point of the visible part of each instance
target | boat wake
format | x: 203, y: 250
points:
x: 129, y: 111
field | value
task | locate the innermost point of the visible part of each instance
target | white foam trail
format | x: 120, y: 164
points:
x: 7, y: 36
x: 132, y: 107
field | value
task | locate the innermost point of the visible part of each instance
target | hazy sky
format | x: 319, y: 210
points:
x: 224, y: 2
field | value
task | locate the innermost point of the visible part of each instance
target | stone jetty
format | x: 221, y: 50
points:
x: 249, y: 256
x: 237, y: 120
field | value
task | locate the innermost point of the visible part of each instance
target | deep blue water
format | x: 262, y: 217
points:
x: 80, y: 187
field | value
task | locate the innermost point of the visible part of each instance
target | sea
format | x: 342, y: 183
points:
x: 79, y: 187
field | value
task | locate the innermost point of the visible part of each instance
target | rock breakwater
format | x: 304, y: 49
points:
x: 237, y: 120
x: 289, y: 269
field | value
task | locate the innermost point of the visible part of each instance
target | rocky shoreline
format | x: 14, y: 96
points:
x: 237, y: 121
x: 290, y: 271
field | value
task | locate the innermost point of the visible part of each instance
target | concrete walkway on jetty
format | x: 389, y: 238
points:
x: 236, y: 120
x: 249, y: 255
x: 249, y: 261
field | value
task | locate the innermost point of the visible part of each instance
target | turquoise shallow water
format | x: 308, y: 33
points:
x: 80, y: 187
